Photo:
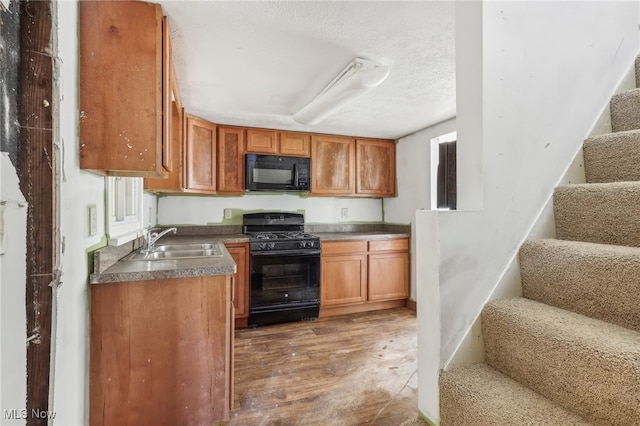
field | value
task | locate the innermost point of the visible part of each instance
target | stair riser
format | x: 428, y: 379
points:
x: 598, y: 213
x: 625, y: 111
x: 597, y: 281
x: 582, y: 374
x: 480, y: 395
x: 613, y: 157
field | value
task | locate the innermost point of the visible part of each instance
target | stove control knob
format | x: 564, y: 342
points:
x: 272, y: 245
x: 262, y: 246
x: 311, y: 244
x: 303, y: 244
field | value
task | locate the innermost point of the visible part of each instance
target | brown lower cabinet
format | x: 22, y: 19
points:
x: 240, y: 254
x: 361, y: 275
x: 162, y: 351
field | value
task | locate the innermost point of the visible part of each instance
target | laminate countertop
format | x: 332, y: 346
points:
x: 138, y: 270
x: 367, y: 235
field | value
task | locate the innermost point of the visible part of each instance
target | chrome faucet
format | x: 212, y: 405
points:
x: 150, y: 239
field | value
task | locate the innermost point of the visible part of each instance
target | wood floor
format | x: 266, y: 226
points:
x: 348, y: 370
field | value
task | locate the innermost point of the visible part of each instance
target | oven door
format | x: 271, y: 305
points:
x: 284, y: 279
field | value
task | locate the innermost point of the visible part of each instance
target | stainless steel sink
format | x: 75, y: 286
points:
x: 177, y: 251
x: 182, y: 247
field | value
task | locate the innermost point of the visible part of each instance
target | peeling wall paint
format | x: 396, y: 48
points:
x: 13, y: 226
x: 78, y: 190
x: 9, y: 58
x: 13, y: 324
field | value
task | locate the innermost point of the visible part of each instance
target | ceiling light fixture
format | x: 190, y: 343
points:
x: 360, y: 76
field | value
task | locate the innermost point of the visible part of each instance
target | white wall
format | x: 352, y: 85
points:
x: 413, y: 160
x: 548, y: 70
x: 186, y: 210
x: 78, y: 190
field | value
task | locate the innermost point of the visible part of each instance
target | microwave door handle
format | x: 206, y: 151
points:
x: 295, y: 175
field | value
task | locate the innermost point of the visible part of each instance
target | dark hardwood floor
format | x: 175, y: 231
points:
x: 347, y: 370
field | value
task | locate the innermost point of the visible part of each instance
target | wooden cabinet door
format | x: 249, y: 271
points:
x: 295, y: 144
x: 175, y: 179
x: 167, y: 66
x: 200, y: 156
x: 239, y: 253
x: 155, y: 345
x: 344, y: 277
x: 121, y: 88
x: 388, y: 276
x: 388, y: 269
x: 262, y: 141
x: 231, y: 160
x: 376, y: 167
x: 333, y: 165
x: 344, y: 280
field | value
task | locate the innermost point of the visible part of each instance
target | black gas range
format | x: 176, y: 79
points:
x: 285, y: 268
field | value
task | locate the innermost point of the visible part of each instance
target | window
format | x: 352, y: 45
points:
x: 443, y: 172
x: 447, y: 175
x: 124, y: 209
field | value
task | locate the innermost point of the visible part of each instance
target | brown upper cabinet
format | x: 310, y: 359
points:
x: 274, y: 142
x: 295, y: 144
x: 125, y: 58
x: 208, y: 159
x: 176, y: 176
x: 376, y: 167
x: 333, y: 165
x: 231, y: 160
x: 200, y: 155
x: 345, y: 166
x: 262, y: 141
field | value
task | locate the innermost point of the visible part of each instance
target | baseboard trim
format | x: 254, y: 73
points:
x: 242, y: 322
x: 363, y: 307
x: 412, y: 304
x: 428, y: 420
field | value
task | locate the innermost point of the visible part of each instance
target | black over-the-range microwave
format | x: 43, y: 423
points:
x: 277, y: 173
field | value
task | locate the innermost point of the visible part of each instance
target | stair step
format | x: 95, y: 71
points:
x: 625, y: 110
x: 606, y: 213
x: 585, y: 365
x: 596, y: 280
x: 613, y: 157
x: 480, y: 395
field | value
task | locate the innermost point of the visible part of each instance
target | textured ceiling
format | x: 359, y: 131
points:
x: 255, y: 63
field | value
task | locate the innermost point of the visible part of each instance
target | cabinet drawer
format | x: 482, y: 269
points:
x: 344, y: 247
x: 399, y: 244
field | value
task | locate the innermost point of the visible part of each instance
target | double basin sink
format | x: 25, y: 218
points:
x: 177, y: 251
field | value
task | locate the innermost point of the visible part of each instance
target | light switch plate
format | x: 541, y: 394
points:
x: 227, y: 213
x: 344, y: 213
x: 93, y: 220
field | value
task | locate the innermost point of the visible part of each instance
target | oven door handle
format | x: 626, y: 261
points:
x: 291, y: 253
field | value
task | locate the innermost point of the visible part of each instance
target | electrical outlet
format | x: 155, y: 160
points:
x: 93, y: 220
x: 344, y: 213
x: 227, y: 213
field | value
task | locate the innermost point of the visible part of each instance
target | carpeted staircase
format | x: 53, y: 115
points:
x: 568, y: 351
